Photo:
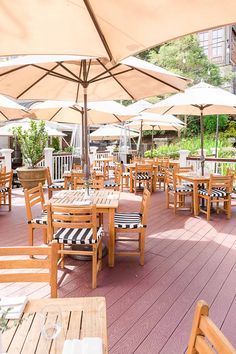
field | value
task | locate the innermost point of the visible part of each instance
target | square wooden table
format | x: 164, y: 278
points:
x: 131, y: 168
x: 106, y: 201
x: 195, y: 179
x: 81, y: 317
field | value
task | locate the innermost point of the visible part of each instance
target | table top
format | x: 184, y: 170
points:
x: 194, y: 176
x: 69, y: 173
x: 102, y: 198
x: 81, y: 317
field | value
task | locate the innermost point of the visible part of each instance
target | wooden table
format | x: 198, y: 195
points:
x: 131, y: 168
x: 81, y: 317
x: 195, y: 179
x: 106, y: 201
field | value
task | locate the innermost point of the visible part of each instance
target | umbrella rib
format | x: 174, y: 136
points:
x: 55, y: 114
x: 117, y: 118
x: 70, y: 72
x: 35, y: 83
x: 132, y: 97
x: 15, y: 69
x: 168, y: 110
x: 155, y: 78
x: 78, y: 87
x: 98, y: 28
x: 4, y: 115
x: 52, y: 73
x: 103, y: 73
x: 106, y: 77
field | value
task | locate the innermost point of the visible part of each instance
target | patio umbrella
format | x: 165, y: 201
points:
x: 110, y: 132
x: 106, y: 28
x: 200, y: 100
x: 6, y: 130
x: 9, y: 107
x: 144, y: 119
x: 155, y: 125
x: 99, y: 79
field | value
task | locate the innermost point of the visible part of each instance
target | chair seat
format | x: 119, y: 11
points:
x: 160, y: 174
x: 128, y: 221
x: 188, y: 184
x: 77, y: 236
x: 180, y: 189
x: 142, y: 176
x: 56, y: 186
x: 4, y: 189
x: 110, y: 184
x: 125, y: 174
x: 220, y: 193
x: 41, y: 219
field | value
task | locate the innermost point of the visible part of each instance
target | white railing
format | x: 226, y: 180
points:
x: 103, y: 155
x: 213, y: 165
x: 61, y: 163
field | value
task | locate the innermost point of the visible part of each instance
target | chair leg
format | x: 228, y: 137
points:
x: 100, y: 255
x: 167, y: 199
x: 62, y: 263
x: 30, y: 235
x: 175, y: 202
x: 229, y: 207
x: 94, y: 267
x: 9, y: 199
x: 208, y: 209
x: 142, y: 246
x: 49, y: 193
x: 45, y: 236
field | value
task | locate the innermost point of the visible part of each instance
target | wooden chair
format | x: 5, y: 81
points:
x: 52, y: 186
x: 206, y: 337
x: 132, y: 222
x: 97, y: 182
x: 161, y: 173
x: 218, y: 191
x: 77, y: 182
x: 77, y: 226
x: 35, y: 197
x: 142, y: 176
x: 116, y: 182
x: 77, y: 166
x: 49, y: 263
x: 6, y: 188
x: 176, y: 193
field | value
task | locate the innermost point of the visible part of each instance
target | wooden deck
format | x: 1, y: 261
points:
x: 150, y: 308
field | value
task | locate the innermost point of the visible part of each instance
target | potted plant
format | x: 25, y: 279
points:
x: 32, y: 143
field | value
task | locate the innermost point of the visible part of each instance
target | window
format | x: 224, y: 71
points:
x: 217, y: 42
x: 203, y: 38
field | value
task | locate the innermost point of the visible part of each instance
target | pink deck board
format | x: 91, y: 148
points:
x: 150, y: 308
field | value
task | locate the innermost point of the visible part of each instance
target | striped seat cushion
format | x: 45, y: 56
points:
x: 141, y: 176
x: 160, y: 174
x: 77, y: 236
x: 188, y: 184
x: 128, y: 220
x: 214, y: 193
x: 180, y: 189
x: 125, y: 174
x: 110, y: 184
x: 41, y: 219
x: 56, y: 186
x: 4, y: 189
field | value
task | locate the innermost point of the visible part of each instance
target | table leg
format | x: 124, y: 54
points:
x: 195, y: 198
x: 111, y: 241
x: 131, y: 181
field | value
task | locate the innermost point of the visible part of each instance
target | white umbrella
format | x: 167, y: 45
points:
x: 201, y: 100
x: 147, y: 121
x: 99, y: 79
x: 9, y: 107
x: 7, y: 129
x: 105, y: 28
x: 110, y: 132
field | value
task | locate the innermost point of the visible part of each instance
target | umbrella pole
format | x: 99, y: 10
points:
x: 152, y: 138
x: 140, y: 140
x: 86, y: 153
x: 82, y: 138
x: 202, y: 146
x: 217, y: 136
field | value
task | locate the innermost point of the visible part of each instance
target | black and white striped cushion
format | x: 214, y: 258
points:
x: 143, y: 176
x: 125, y: 174
x: 41, y: 219
x: 128, y: 221
x: 183, y: 189
x: 187, y: 184
x: 234, y: 188
x: 56, y: 186
x: 110, y: 184
x: 77, y: 236
x: 214, y: 193
x: 160, y: 174
x: 4, y: 189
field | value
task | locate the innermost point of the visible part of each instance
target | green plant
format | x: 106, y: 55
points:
x: 69, y: 149
x: 55, y: 143
x: 31, y: 141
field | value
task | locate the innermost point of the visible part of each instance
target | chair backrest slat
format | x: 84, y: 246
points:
x: 206, y: 337
x: 145, y: 205
x: 6, y: 179
x: 221, y: 182
x: 33, y: 197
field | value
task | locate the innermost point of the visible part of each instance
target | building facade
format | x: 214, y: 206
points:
x: 219, y: 44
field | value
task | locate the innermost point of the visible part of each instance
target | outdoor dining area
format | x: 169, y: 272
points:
x: 117, y: 177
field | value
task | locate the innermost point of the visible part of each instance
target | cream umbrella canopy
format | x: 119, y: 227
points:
x: 155, y: 125
x: 96, y: 79
x: 200, y: 100
x: 10, y: 108
x: 110, y: 132
x: 145, y: 121
x: 106, y: 28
